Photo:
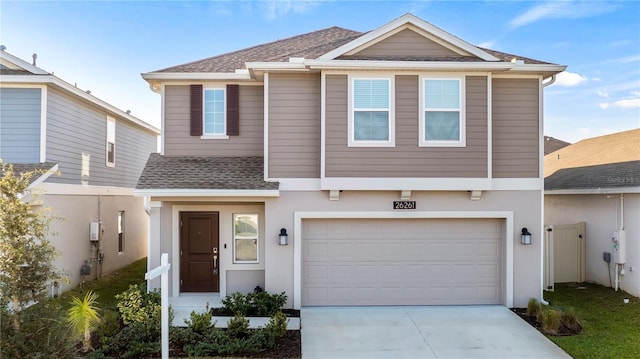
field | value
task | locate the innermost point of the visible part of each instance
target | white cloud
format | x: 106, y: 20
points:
x: 279, y: 8
x: 603, y: 94
x: 561, y: 10
x: 487, y: 44
x: 570, y: 79
x: 628, y: 103
x: 603, y: 105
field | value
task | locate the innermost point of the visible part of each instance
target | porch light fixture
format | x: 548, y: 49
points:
x: 284, y: 238
x: 525, y: 237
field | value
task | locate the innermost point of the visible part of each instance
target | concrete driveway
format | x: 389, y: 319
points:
x: 421, y: 332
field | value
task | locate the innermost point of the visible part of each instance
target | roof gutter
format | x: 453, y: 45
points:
x: 613, y: 190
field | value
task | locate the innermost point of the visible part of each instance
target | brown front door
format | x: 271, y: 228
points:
x: 199, y: 254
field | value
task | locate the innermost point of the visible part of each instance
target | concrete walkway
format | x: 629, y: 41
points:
x: 421, y: 332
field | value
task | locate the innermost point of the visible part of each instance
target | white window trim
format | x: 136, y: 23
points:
x: 235, y: 260
x: 111, y: 139
x: 391, y: 142
x: 214, y: 136
x: 421, y: 124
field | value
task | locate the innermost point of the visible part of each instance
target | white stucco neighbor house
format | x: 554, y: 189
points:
x: 99, y: 151
x: 597, y: 181
x: 397, y: 166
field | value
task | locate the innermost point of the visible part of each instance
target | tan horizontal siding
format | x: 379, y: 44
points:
x: 406, y: 159
x: 406, y: 43
x: 178, y: 142
x: 515, y: 128
x: 294, y: 125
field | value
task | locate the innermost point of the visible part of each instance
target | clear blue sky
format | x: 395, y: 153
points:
x: 103, y: 46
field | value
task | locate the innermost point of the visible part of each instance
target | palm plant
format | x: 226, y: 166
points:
x: 83, y: 317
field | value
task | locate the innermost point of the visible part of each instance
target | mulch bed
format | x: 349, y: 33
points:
x: 533, y: 321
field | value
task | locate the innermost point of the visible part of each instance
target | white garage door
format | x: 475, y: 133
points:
x: 402, y: 261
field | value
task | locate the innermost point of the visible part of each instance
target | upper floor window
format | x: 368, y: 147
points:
x: 111, y: 142
x: 371, y: 116
x: 214, y: 112
x: 442, y: 119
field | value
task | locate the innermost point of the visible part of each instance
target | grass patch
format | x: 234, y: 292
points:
x: 610, y: 328
x: 108, y: 285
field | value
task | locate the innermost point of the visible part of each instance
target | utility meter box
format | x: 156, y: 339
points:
x: 619, y: 247
x: 94, y: 231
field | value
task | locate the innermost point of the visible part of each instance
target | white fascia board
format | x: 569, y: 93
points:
x: 204, y: 193
x: 594, y: 191
x: 81, y: 190
x: 55, y: 81
x: 431, y: 184
x: 401, y: 21
x: 40, y: 180
x: 399, y: 184
x: 197, y: 76
x: 18, y: 62
x: 537, y: 68
x: 408, y: 65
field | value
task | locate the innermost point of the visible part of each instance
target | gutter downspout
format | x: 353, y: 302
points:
x: 553, y: 79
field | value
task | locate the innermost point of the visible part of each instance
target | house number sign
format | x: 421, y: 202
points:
x: 404, y: 204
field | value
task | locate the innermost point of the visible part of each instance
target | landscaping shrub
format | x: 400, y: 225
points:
x: 200, y: 322
x: 258, y: 304
x: 136, y: 339
x: 110, y: 323
x: 278, y: 324
x: 136, y: 305
x: 550, y: 320
x: 83, y: 317
x: 238, y: 327
x: 43, y: 333
x: 570, y: 320
x: 533, y: 307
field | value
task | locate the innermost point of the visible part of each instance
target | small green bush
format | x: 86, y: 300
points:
x: 259, y: 304
x: 110, y: 323
x: 236, y: 303
x: 570, y: 319
x: 533, y: 307
x: 238, y: 327
x: 278, y: 324
x: 136, y: 305
x: 136, y: 339
x: 200, y: 322
x: 550, y: 320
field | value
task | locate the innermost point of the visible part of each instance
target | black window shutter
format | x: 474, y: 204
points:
x: 233, y: 110
x: 196, y: 110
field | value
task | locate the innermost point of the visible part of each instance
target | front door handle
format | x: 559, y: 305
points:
x: 215, y: 260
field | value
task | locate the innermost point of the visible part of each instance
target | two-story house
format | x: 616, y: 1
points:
x: 99, y: 152
x: 395, y: 166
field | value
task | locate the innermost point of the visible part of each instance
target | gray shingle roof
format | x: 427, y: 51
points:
x: 205, y: 173
x: 20, y: 168
x: 612, y: 175
x: 310, y: 46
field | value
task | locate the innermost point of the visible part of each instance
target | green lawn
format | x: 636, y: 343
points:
x: 611, y: 328
x: 109, y: 284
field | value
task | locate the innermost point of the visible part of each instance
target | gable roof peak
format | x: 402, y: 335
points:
x: 454, y: 43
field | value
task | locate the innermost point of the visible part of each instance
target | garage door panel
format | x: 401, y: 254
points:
x: 402, y: 261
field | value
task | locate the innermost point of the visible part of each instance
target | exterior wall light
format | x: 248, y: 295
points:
x: 284, y: 238
x: 525, y: 237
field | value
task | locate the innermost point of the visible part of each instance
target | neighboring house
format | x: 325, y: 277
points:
x: 402, y: 163
x: 553, y: 144
x: 99, y: 152
x: 597, y: 181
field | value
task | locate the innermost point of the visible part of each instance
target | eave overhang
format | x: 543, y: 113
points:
x: 205, y: 193
x: 7, y: 80
x: 611, y: 190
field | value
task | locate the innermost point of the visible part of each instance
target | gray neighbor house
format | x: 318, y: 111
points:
x: 99, y: 152
x: 397, y: 166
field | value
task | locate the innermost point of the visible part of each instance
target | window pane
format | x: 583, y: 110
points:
x: 442, y: 126
x: 370, y: 93
x: 246, y: 226
x: 246, y: 249
x: 442, y: 94
x: 371, y: 126
x: 214, y: 112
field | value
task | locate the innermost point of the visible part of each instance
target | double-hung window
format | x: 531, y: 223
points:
x: 214, y: 116
x: 111, y: 142
x: 442, y: 118
x: 245, y: 238
x: 371, y: 117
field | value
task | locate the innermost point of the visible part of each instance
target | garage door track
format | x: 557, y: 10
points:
x: 421, y: 332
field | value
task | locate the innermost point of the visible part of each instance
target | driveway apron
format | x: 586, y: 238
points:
x: 421, y: 332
